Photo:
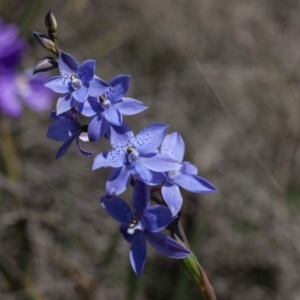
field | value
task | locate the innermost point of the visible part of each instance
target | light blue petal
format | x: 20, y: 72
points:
x: 62, y: 130
x: 188, y: 168
x: 98, y: 127
x: 90, y: 107
x: 118, y: 209
x: 67, y: 64
x: 58, y: 84
x: 194, y: 183
x: 118, y: 181
x: 149, y: 138
x: 112, y: 158
x: 166, y: 245
x: 172, y: 196
x: 129, y: 106
x: 156, y: 218
x: 159, y: 163
x: 138, y: 252
x: 97, y: 87
x: 140, y: 198
x: 140, y: 172
x: 65, y: 103
x: 81, y: 94
x: 121, y: 137
x: 86, y: 71
x: 173, y: 146
x: 113, y: 116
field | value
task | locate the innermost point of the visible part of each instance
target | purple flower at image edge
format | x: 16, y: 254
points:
x: 66, y: 128
x: 143, y: 224
x: 134, y: 156
x: 185, y: 175
x: 107, y: 109
x: 76, y: 82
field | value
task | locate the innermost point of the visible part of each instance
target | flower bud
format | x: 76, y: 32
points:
x: 50, y: 22
x: 45, y: 64
x: 45, y: 41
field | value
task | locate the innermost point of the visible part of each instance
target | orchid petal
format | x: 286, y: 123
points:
x: 86, y: 71
x: 65, y: 103
x: 90, y: 107
x: 119, y: 87
x: 156, y: 218
x: 62, y: 130
x: 118, y: 181
x: 128, y: 237
x: 98, y: 127
x: 149, y: 138
x: 159, y: 163
x: 112, y: 158
x: 172, y: 196
x: 97, y: 87
x: 63, y: 149
x: 67, y: 64
x: 166, y: 245
x: 137, y: 253
x: 58, y: 84
x: 81, y: 94
x: 129, y: 106
x: 84, y: 152
x: 113, y: 116
x: 194, y: 183
x: 173, y: 146
x: 118, y: 209
x: 188, y: 168
x: 140, y: 198
x: 121, y: 136
x: 140, y: 172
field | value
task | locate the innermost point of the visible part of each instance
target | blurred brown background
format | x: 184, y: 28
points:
x: 225, y: 74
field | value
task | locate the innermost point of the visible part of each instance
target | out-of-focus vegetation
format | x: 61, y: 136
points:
x: 223, y: 73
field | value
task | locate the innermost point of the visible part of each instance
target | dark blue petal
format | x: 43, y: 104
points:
x: 113, y: 116
x: 62, y: 130
x: 172, y: 196
x: 166, y: 245
x: 118, y: 209
x: 67, y: 64
x: 84, y: 152
x: 138, y: 252
x: 194, y: 184
x: 149, y: 138
x: 129, y: 106
x: 58, y: 84
x: 140, y: 198
x: 128, y: 237
x: 118, y: 181
x: 65, y: 146
x: 156, y: 218
x: 86, y: 71
x: 173, y: 146
x: 98, y: 127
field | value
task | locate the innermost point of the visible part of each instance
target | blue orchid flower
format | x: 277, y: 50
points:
x: 185, y: 175
x: 107, y: 109
x: 134, y: 156
x: 143, y: 224
x: 76, y: 82
x: 66, y: 128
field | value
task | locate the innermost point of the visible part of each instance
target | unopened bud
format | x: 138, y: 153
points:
x: 50, y: 22
x: 45, y: 64
x: 45, y: 42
